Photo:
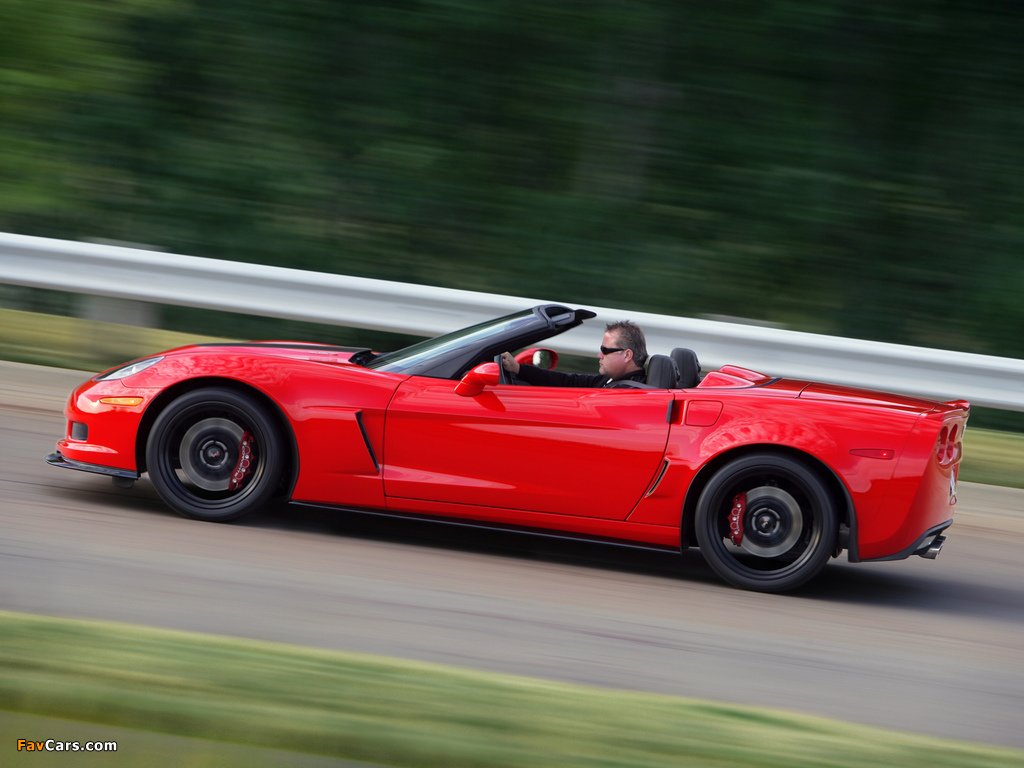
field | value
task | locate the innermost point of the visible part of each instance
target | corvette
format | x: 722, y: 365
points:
x: 769, y: 477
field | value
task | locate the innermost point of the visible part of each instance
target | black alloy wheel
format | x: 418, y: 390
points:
x: 214, y: 454
x: 766, y: 522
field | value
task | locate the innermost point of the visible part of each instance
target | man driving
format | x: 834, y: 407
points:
x: 621, y: 358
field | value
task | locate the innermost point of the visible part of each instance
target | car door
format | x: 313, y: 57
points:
x: 569, y: 451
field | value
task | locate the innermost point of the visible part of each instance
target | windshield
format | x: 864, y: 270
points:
x: 405, y: 359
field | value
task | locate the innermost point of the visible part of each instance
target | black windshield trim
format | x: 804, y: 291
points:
x: 450, y: 355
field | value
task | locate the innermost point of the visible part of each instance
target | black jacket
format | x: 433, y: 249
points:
x: 542, y: 377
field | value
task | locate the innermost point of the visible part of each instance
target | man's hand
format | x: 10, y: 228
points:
x: 509, y: 363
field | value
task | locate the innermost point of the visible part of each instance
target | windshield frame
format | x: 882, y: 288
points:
x: 450, y: 355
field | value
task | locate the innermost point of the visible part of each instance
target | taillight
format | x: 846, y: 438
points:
x: 948, y: 447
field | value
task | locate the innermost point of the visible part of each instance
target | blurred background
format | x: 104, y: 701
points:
x: 845, y: 168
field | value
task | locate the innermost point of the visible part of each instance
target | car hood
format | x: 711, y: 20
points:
x: 293, y: 350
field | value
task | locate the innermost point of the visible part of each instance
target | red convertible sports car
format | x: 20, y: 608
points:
x: 769, y: 477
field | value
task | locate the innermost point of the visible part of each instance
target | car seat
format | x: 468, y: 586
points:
x: 688, y: 365
x: 662, y: 372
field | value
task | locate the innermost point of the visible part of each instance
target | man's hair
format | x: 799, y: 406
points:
x: 630, y: 337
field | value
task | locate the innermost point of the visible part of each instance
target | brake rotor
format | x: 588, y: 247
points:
x: 770, y: 522
x: 210, y: 453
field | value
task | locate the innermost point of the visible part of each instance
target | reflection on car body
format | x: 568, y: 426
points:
x: 770, y: 477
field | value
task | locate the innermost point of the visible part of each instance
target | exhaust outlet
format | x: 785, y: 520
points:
x: 931, y: 551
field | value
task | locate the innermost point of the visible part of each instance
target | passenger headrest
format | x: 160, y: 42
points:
x: 689, y: 367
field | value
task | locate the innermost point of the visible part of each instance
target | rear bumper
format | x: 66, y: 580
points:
x: 57, y: 460
x: 920, y: 498
x: 927, y: 546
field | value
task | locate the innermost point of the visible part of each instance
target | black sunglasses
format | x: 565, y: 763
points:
x: 609, y: 350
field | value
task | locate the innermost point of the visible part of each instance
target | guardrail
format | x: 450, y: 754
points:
x: 165, y: 278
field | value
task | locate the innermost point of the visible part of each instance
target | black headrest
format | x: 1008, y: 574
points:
x: 689, y: 367
x: 662, y: 372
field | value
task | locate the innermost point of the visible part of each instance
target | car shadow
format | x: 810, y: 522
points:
x: 879, y: 584
x: 898, y: 585
x: 82, y: 486
x: 470, y: 537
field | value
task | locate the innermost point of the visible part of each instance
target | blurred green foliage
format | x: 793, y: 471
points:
x: 839, y: 167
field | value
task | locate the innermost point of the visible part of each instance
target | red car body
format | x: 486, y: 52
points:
x: 770, y: 477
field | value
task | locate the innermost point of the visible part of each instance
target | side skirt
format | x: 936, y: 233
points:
x: 486, y: 526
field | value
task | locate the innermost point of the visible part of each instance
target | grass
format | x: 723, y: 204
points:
x: 401, y: 713
x: 85, y: 345
x: 994, y: 458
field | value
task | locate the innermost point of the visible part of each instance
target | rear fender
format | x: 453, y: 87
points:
x: 839, y: 492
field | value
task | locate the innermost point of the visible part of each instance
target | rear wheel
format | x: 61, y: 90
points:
x: 214, y: 454
x: 766, y: 522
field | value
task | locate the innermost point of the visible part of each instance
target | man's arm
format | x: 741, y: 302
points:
x: 542, y: 377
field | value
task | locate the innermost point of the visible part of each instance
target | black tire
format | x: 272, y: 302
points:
x: 785, y: 524
x: 197, y: 461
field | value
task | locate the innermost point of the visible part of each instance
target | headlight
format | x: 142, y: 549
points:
x: 129, y: 370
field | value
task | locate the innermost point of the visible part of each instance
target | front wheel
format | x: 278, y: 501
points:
x: 214, y: 454
x: 766, y: 522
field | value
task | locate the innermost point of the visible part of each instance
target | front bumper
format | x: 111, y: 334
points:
x: 57, y: 460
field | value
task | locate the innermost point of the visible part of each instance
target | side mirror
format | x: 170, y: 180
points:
x: 473, y: 383
x: 542, y: 358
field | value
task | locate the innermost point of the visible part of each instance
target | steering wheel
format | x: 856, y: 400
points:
x: 504, y: 377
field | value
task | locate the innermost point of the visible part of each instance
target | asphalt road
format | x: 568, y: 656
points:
x: 931, y: 647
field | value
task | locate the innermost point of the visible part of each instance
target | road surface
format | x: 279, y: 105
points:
x: 930, y: 647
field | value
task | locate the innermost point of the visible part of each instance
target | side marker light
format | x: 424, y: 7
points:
x: 131, y: 401
x: 874, y: 453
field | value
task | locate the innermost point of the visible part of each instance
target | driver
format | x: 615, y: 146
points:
x: 623, y: 353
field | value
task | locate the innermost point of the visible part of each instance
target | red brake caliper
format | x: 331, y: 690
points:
x: 244, y: 462
x: 739, y: 506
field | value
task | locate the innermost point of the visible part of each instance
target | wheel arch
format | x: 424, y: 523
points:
x: 837, y: 489
x: 290, y: 474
